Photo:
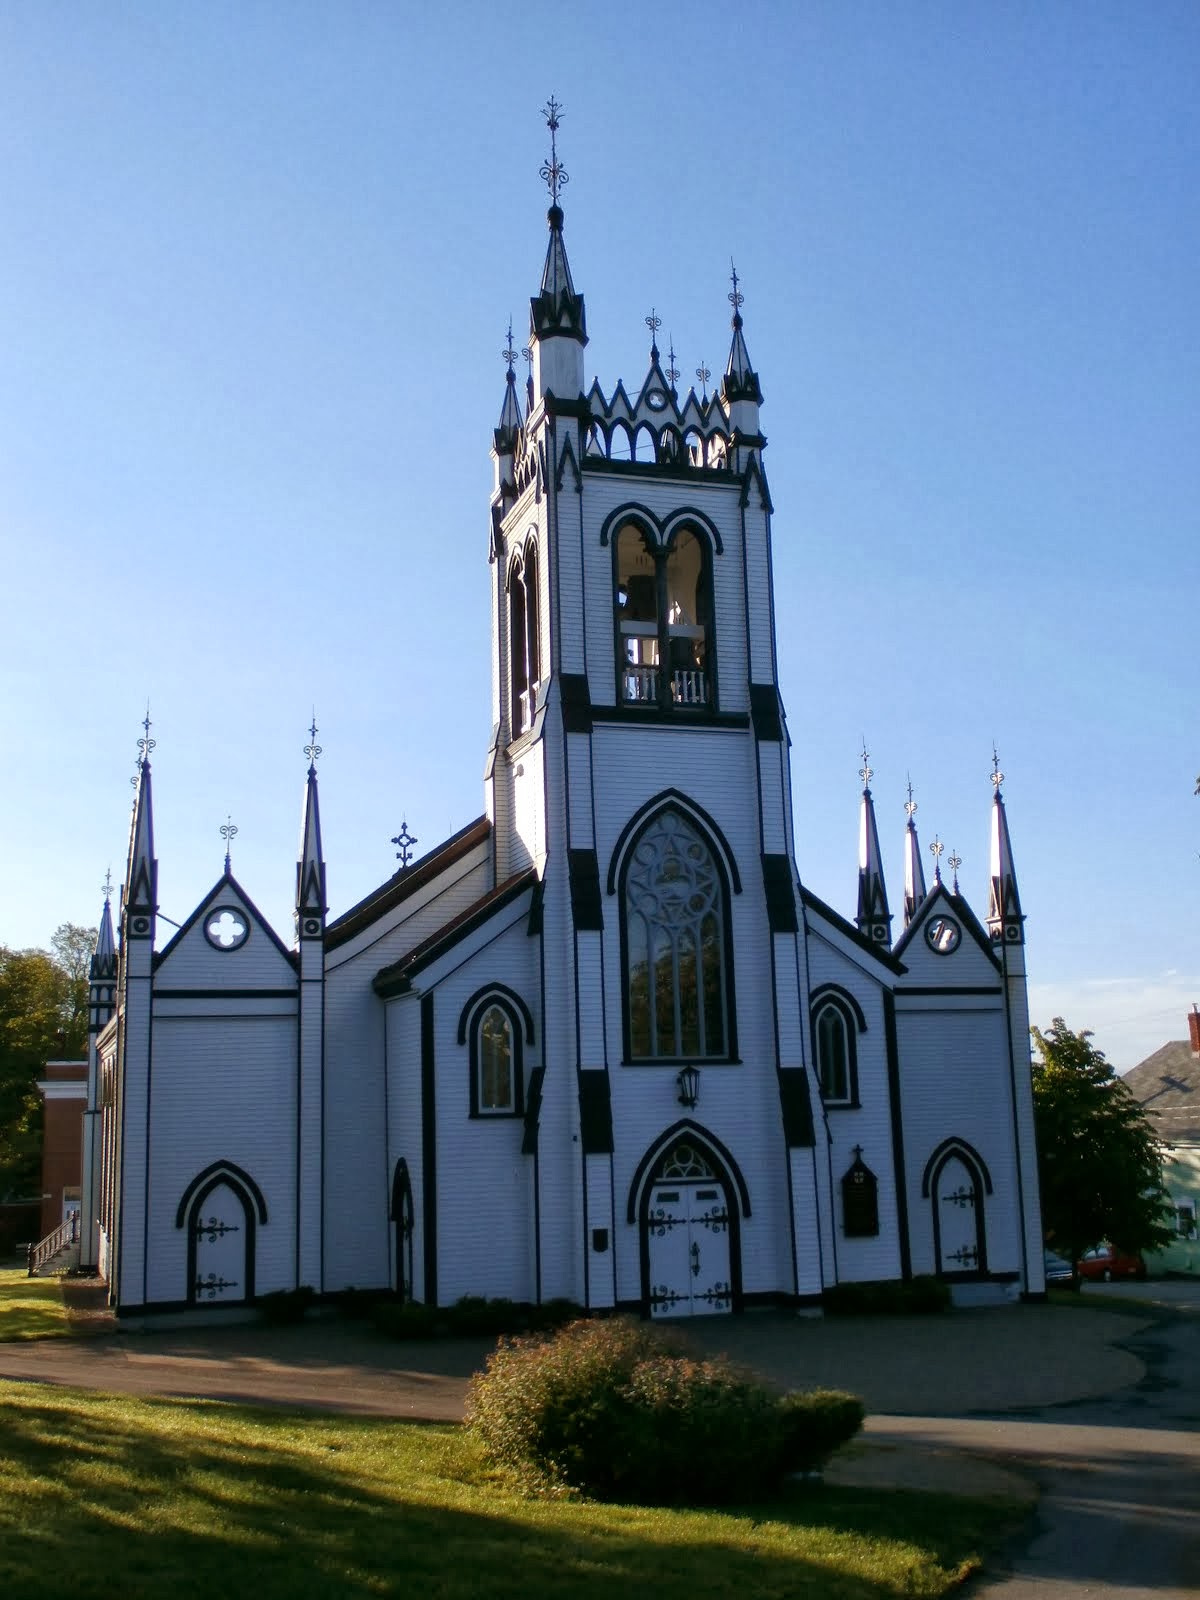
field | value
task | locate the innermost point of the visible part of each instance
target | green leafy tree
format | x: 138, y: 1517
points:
x: 43, y: 1015
x: 1099, y: 1161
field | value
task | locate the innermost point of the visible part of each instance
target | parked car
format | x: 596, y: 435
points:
x: 1106, y: 1262
x: 1059, y: 1272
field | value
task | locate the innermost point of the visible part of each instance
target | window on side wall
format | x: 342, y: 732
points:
x: 497, y: 1068
x: 835, y: 1046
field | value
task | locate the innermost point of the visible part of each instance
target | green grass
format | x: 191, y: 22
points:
x: 186, y: 1499
x: 30, y: 1308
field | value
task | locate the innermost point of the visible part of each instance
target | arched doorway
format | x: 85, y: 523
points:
x: 689, y: 1205
x: 220, y: 1209
x: 956, y: 1184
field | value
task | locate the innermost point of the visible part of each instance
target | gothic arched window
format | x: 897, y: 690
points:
x: 663, y: 619
x: 835, y: 1041
x: 677, y: 990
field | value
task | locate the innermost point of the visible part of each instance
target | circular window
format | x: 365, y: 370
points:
x: 225, y: 928
x: 656, y: 400
x: 942, y: 934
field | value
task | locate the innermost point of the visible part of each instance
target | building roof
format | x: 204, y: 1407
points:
x: 1168, y: 1085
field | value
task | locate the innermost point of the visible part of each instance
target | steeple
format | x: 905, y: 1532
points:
x: 874, y: 920
x: 914, y: 869
x: 557, y: 323
x: 139, y: 902
x: 310, y: 869
x: 1005, y: 918
x: 104, y: 957
x: 508, y: 429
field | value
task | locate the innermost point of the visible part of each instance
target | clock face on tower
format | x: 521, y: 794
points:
x: 942, y: 934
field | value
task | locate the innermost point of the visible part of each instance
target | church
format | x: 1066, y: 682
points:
x: 601, y: 1043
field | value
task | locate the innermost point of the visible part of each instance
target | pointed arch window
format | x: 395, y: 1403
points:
x: 835, y: 1046
x: 524, y: 642
x: 678, y: 989
x: 495, y: 1025
x: 663, y: 619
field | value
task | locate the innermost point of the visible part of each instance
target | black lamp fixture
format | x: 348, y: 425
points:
x: 689, y: 1086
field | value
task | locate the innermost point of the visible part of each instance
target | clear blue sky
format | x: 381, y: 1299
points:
x: 256, y: 268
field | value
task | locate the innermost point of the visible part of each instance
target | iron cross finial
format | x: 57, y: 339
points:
x: 935, y: 850
x: 997, y: 775
x: 107, y: 886
x: 704, y: 375
x: 672, y: 369
x: 954, y: 861
x: 552, y: 172
x: 406, y: 841
x: 312, y: 749
x: 735, y: 297
x: 654, y: 323
x: 527, y: 352
x: 865, y: 772
x: 145, y: 744
x: 229, y: 834
x: 508, y: 355
x: 910, y: 805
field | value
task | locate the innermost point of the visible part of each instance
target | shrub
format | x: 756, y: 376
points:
x: 407, y: 1319
x: 286, y: 1305
x: 473, y: 1315
x: 619, y: 1410
x: 360, y: 1304
x: 888, y: 1297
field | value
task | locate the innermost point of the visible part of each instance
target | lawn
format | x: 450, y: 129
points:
x: 189, y: 1498
x: 30, y: 1308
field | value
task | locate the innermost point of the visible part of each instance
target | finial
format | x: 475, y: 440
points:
x: 672, y: 369
x: 406, y: 841
x: 704, y: 375
x: 508, y: 355
x: 552, y: 172
x: 312, y: 749
x: 997, y: 775
x: 865, y: 772
x: 229, y: 834
x: 954, y: 861
x: 910, y: 805
x: 654, y: 323
x: 935, y: 850
x: 145, y: 744
x: 735, y: 297
x: 526, y: 350
x: 107, y: 886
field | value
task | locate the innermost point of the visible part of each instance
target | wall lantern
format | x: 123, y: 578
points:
x: 689, y: 1086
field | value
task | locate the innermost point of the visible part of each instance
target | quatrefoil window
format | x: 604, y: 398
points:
x: 226, y: 929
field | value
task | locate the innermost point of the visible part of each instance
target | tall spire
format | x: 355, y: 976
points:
x: 104, y: 956
x: 140, y: 897
x: 509, y: 425
x: 310, y: 869
x: 556, y: 312
x: 1005, y: 918
x: 914, y: 867
x: 874, y: 920
x: 741, y: 380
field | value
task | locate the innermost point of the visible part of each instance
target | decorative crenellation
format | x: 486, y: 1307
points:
x: 657, y: 428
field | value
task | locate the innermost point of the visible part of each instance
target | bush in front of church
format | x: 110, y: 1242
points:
x: 619, y: 1410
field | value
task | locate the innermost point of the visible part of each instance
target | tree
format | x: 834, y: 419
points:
x: 1099, y: 1160
x: 43, y: 1014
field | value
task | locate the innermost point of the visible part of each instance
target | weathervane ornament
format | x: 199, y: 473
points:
x: 107, y: 885
x: 553, y: 174
x: 508, y: 355
x: 312, y: 749
x: 229, y: 834
x: 910, y: 805
x: 704, y: 375
x: 654, y: 323
x: 145, y: 744
x: 865, y: 772
x: 672, y: 369
x: 935, y: 850
x: 406, y: 841
x: 736, y: 299
x: 997, y: 775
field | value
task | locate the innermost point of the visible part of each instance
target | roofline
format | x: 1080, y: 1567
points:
x: 226, y: 879
x: 884, y: 957
x: 397, y: 978
x: 406, y: 882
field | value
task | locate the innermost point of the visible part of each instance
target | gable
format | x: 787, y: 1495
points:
x: 226, y: 944
x: 944, y: 947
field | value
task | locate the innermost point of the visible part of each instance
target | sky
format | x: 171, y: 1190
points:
x: 256, y: 267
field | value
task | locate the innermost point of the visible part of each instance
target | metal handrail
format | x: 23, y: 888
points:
x: 66, y: 1233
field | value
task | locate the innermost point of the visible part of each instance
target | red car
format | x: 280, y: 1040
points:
x: 1106, y: 1262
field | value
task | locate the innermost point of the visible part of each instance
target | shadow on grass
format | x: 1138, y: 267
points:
x: 186, y: 1499
x: 30, y: 1308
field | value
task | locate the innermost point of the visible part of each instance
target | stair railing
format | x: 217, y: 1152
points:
x: 67, y: 1233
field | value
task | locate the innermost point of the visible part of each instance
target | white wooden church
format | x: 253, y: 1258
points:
x: 601, y: 1043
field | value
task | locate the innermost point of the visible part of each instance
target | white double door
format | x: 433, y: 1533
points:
x: 688, y: 1246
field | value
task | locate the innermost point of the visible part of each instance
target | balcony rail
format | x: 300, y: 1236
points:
x: 639, y: 686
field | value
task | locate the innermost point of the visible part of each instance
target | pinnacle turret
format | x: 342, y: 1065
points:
x: 1005, y: 918
x: 104, y: 957
x: 740, y: 381
x: 873, y: 919
x: 914, y: 868
x: 557, y: 321
x: 139, y: 901
x: 310, y: 868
